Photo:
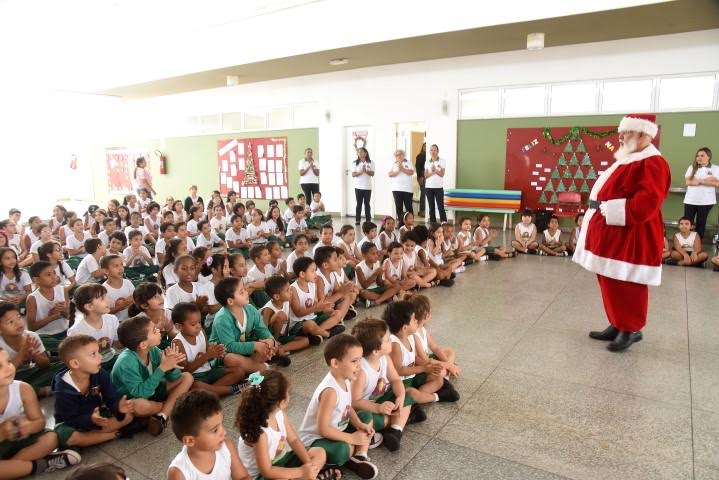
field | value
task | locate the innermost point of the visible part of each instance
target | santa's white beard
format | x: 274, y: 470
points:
x: 625, y: 149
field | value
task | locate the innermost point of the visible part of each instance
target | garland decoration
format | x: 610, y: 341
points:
x: 574, y: 133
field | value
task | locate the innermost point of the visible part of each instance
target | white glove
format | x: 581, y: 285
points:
x: 603, y: 208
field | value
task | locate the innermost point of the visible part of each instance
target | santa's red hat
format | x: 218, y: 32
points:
x: 640, y: 122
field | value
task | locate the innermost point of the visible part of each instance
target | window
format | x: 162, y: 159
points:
x: 210, y: 123
x: 576, y: 98
x: 480, y: 103
x: 280, y: 117
x: 231, y: 121
x: 524, y: 101
x: 306, y: 115
x: 686, y: 92
x: 627, y: 96
x: 254, y: 122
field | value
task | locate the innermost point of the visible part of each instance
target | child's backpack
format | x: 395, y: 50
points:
x: 541, y: 220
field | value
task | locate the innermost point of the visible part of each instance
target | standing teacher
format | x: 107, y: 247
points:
x: 434, y: 169
x: 309, y: 175
x: 623, y: 232
x: 401, y: 181
x: 419, y: 161
x: 362, y: 173
x: 702, y: 179
x: 143, y: 177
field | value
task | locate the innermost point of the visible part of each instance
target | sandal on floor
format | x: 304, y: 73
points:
x: 329, y: 473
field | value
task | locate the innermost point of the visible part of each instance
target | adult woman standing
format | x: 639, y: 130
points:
x: 143, y: 177
x: 362, y: 173
x: 702, y: 178
x: 192, y: 199
x: 401, y: 180
x: 434, y: 184
x: 309, y: 175
x: 419, y: 163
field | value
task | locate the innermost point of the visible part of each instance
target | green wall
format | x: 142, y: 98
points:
x: 481, y: 147
x: 193, y: 160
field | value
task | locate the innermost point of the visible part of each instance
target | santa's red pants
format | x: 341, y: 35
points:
x: 625, y: 303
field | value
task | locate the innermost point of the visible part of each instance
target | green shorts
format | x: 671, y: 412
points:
x: 489, y: 249
x: 338, y: 453
x: 38, y: 377
x: 64, y: 432
x: 416, y: 381
x: 259, y: 298
x: 210, y: 376
x: 380, y: 290
x: 295, y: 331
x: 245, y: 252
x: 51, y: 342
x: 288, y: 460
x: 10, y: 448
x: 378, y: 418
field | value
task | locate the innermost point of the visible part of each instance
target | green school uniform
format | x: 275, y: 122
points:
x: 131, y: 377
x: 226, y: 331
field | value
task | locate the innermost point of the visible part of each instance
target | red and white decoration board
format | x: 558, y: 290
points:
x: 269, y: 163
x: 120, y: 164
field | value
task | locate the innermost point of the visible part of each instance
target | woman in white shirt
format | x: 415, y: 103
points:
x: 434, y: 169
x: 401, y: 180
x: 702, y: 178
x: 362, y: 173
x: 309, y: 175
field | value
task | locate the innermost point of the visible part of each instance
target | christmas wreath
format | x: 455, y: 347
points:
x: 360, y: 139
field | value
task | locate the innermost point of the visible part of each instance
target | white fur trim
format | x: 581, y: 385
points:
x: 650, y: 151
x: 615, y: 212
x: 632, y: 124
x: 617, y: 269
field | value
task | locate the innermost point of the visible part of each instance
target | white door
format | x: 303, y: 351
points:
x: 355, y: 137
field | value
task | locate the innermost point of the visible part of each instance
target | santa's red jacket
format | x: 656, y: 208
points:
x: 627, y: 244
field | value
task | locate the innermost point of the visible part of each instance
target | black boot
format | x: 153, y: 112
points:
x: 624, y: 340
x: 607, y: 335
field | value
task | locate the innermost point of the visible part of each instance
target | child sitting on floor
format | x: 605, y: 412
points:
x: 202, y: 358
x: 298, y: 225
x: 257, y: 230
x: 349, y: 245
x: 574, y: 235
x: 208, y: 238
x: 47, y: 306
x: 257, y: 275
x: 52, y: 252
x: 25, y: 445
x: 423, y: 314
x: 119, y: 289
x: 413, y: 267
x: 207, y: 452
x: 388, y: 233
x: 302, y: 249
x: 378, y: 389
x: 393, y: 269
x: 318, y: 216
x: 89, y: 269
x: 137, y: 256
x: 269, y: 445
x: 167, y: 233
x: 330, y: 421
x: 237, y: 238
x: 328, y: 288
x: 688, y: 246
x: 175, y: 248
x: 370, y: 235
x: 276, y: 261
x: 88, y: 410
x: 149, y: 299
x: 327, y: 237
x: 525, y: 235
x: 186, y: 289
x: 276, y: 315
x: 15, y: 283
x: 147, y: 374
x: 467, y: 245
x: 94, y: 320
x: 118, y: 242
x: 407, y: 223
x: 372, y: 287
x: 552, y: 244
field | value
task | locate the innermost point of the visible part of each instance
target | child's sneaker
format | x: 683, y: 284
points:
x: 369, y: 303
x: 533, y: 251
x: 62, y: 459
x: 416, y: 414
x: 469, y: 261
x: 446, y: 282
x: 315, y: 339
x: 392, y: 438
x: 460, y: 269
x: 281, y: 360
x: 376, y: 440
x: 716, y: 268
x: 351, y: 313
x: 156, y: 424
x: 362, y: 467
x: 336, y: 330
x: 237, y: 388
x: 541, y: 252
x: 447, y: 393
x: 137, y: 425
x: 565, y: 254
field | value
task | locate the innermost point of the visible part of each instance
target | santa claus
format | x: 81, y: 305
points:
x: 623, y: 232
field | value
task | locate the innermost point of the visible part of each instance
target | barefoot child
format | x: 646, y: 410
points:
x: 207, y: 452
x: 269, y: 445
x: 525, y: 235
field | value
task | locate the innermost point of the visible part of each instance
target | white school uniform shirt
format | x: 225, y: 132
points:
x: 435, y: 181
x: 14, y: 407
x: 73, y: 243
x: 192, y: 351
x: 285, y: 308
x: 293, y: 256
x: 288, y: 215
x: 64, y: 272
x: 254, y: 230
x: 388, y: 237
x: 277, y: 446
x: 340, y: 416
x: 141, y: 228
x: 175, y: 295
x: 335, y: 242
x: 364, y: 180
x: 190, y: 244
x: 192, y: 226
x: 104, y: 238
x: 37, y: 244
x: 255, y: 275
x: 14, y: 243
x: 421, y: 335
x: 219, y: 224
x: 408, y: 355
x: 396, y: 271
x: 327, y: 283
x: 105, y: 335
x: 310, y: 176
x: 203, y: 241
x: 368, y: 271
x: 272, y: 227
x: 160, y: 246
x: 485, y: 235
x: 113, y: 294
x: 549, y: 237
x: 435, y: 258
x: 525, y: 232
x: 293, y: 228
x: 307, y: 299
x: 409, y: 261
x: 11, y: 353
x: 701, y: 194
x: 154, y: 224
x: 351, y: 249
x: 87, y: 266
x: 686, y: 243
x: 376, y: 381
x: 317, y: 208
x: 43, y: 307
x: 232, y: 236
x: 137, y: 261
x: 401, y: 182
x: 12, y: 287
x: 364, y: 240
x: 168, y: 273
x: 221, y: 470
x: 67, y: 230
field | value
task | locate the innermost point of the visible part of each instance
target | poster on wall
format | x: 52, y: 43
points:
x: 253, y: 167
x: 545, y: 162
x: 120, y: 164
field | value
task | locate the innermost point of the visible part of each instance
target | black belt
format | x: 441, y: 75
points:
x: 594, y: 204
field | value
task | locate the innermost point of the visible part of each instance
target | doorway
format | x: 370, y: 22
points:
x: 355, y: 137
x: 409, y: 136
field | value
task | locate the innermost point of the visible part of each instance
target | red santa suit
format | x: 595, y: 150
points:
x: 624, y: 246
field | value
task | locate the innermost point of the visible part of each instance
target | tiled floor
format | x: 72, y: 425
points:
x: 539, y: 398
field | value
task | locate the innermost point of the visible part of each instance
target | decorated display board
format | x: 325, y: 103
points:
x: 120, y: 164
x: 543, y: 162
x: 254, y: 167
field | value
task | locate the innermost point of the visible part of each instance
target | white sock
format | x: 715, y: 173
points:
x: 396, y: 427
x: 164, y: 417
x: 436, y: 397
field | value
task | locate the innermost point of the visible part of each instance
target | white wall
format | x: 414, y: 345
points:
x: 382, y: 96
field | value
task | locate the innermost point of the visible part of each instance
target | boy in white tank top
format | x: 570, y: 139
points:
x: 368, y: 274
x: 378, y: 388
x: 47, y: 306
x: 276, y: 315
x: 552, y: 240
x: 347, y: 436
x: 687, y: 245
x: 328, y: 288
x: 525, y: 234
x: 207, y: 451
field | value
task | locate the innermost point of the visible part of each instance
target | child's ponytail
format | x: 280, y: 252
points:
x: 258, y: 401
x: 170, y: 255
x: 216, y: 261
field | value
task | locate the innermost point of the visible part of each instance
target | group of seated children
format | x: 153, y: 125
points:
x: 378, y: 378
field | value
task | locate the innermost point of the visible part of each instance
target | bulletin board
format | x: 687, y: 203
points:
x: 253, y: 167
x: 543, y: 162
x: 120, y: 164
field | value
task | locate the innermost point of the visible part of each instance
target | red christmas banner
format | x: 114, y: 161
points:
x: 254, y: 167
x: 120, y: 164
